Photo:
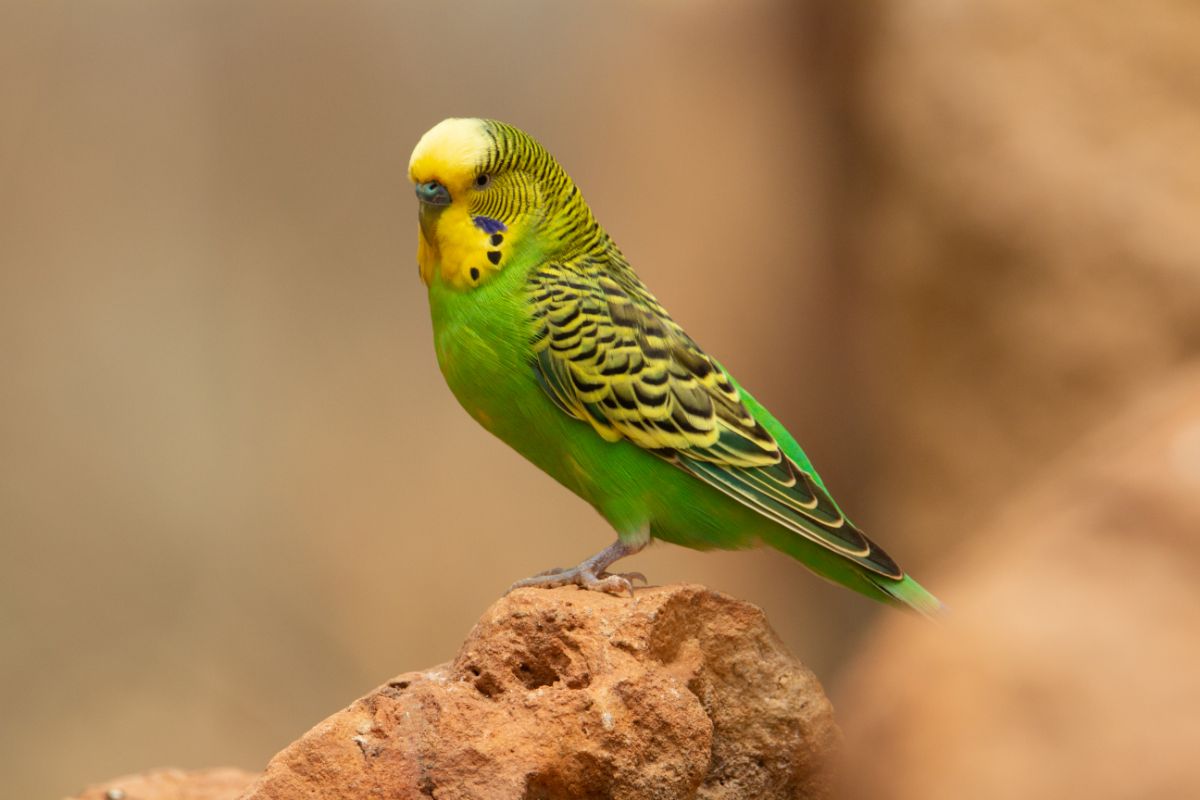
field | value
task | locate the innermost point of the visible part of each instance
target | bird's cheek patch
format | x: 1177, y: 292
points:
x: 489, y: 225
x: 462, y: 248
x: 471, y: 248
x: 494, y: 231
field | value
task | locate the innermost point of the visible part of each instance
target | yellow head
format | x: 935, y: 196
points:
x: 485, y: 188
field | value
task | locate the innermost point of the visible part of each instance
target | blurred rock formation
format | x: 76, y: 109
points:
x: 1020, y: 237
x: 1066, y: 667
x: 173, y: 784
x: 1023, y: 275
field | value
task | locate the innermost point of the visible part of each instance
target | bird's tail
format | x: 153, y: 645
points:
x: 902, y: 593
x: 908, y: 593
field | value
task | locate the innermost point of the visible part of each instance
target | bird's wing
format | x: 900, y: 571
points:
x: 608, y: 354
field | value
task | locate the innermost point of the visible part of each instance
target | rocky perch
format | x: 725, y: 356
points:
x: 679, y: 693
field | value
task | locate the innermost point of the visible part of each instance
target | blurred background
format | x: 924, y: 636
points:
x: 955, y: 248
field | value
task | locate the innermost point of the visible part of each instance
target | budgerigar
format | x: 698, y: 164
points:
x: 550, y: 341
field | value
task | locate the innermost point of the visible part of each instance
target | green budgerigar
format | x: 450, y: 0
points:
x: 550, y: 341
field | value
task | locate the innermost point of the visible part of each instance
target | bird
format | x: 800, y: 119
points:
x: 550, y: 341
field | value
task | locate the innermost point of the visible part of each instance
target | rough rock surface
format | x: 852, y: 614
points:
x: 173, y: 784
x: 679, y: 693
x: 1066, y: 667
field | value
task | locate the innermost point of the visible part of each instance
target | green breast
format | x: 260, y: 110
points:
x: 482, y: 338
x: 482, y: 342
x: 478, y: 336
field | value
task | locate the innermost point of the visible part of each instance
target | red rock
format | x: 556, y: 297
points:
x: 679, y: 693
x: 1022, y: 241
x: 173, y: 784
x: 1067, y: 664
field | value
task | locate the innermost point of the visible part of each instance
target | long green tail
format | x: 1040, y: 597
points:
x: 908, y: 593
x: 904, y: 593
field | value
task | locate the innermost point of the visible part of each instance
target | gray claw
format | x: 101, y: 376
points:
x: 591, y: 573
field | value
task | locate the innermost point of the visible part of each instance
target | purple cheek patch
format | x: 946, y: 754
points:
x: 489, y: 225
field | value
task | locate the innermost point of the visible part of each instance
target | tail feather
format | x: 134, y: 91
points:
x: 903, y: 592
x: 909, y: 593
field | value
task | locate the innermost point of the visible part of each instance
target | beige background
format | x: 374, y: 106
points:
x: 234, y: 490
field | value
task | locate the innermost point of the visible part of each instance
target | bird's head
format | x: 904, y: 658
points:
x: 488, y: 193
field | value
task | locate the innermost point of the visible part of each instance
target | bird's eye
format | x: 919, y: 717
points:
x: 483, y: 180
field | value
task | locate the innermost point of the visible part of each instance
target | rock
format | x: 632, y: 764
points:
x: 173, y: 784
x: 1022, y: 239
x: 1066, y: 667
x: 679, y: 693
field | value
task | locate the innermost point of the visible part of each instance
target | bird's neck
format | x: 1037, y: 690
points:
x: 569, y: 231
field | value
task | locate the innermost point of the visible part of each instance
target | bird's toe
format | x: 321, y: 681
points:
x: 612, y: 584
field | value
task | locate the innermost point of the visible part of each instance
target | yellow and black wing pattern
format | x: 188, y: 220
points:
x: 607, y: 353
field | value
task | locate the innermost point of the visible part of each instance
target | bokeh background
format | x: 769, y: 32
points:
x: 955, y: 247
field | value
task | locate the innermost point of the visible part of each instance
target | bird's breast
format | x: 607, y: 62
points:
x: 482, y: 343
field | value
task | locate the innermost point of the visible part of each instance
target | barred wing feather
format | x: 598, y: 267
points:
x: 608, y: 354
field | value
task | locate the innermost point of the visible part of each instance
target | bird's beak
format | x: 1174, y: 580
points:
x: 433, y: 193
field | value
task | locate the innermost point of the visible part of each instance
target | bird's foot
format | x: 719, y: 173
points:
x: 612, y: 583
x: 591, y: 574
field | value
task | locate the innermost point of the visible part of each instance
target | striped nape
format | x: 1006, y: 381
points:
x: 569, y: 228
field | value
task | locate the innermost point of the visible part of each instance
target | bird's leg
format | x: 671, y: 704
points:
x: 592, y: 573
